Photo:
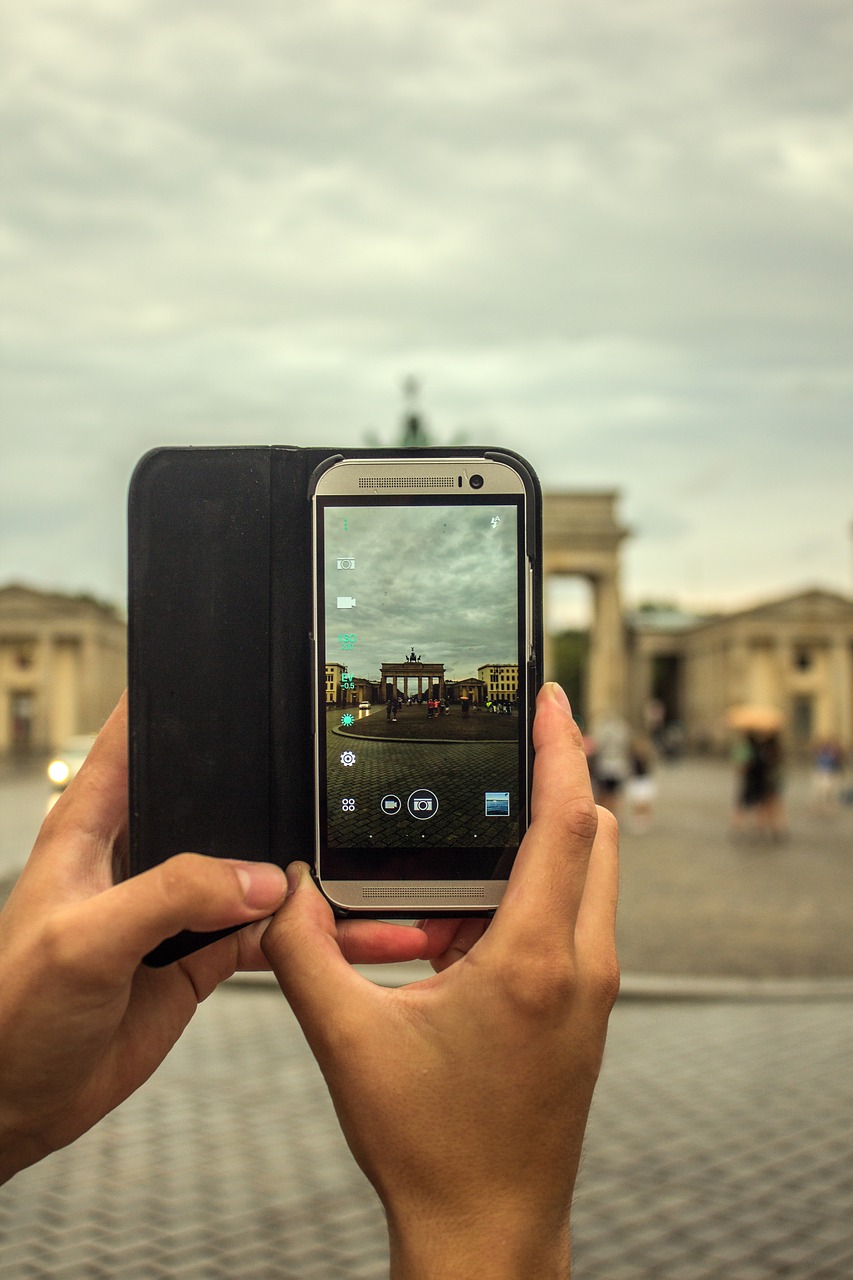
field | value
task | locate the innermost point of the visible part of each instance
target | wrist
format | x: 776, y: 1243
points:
x: 501, y: 1246
x: 16, y: 1153
x: 23, y: 1140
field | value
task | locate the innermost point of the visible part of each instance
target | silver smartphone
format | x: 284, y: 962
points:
x: 423, y: 640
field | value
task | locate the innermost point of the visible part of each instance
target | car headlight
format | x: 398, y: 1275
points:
x: 58, y: 772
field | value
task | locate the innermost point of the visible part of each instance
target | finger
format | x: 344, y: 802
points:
x: 546, y: 885
x: 595, y: 931
x: 189, y: 891
x: 96, y: 799
x: 378, y: 942
x: 301, y: 944
x: 91, y: 815
x: 465, y: 934
x: 440, y: 933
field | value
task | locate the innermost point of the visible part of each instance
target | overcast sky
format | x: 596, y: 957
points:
x: 615, y: 236
x: 439, y: 580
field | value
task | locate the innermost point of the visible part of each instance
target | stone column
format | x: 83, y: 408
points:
x: 738, y: 673
x: 640, y: 683
x: 606, y: 677
x: 842, y: 689
x: 41, y: 685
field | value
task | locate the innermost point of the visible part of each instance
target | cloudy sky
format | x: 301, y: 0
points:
x: 616, y: 237
x: 437, y: 579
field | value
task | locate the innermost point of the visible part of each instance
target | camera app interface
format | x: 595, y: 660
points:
x: 423, y: 722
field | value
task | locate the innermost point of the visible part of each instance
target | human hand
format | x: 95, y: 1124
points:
x: 82, y: 1022
x: 464, y: 1097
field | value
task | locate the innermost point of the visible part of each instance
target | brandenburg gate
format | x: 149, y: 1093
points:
x: 412, y: 669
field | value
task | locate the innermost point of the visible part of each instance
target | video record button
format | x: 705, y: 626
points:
x: 422, y: 804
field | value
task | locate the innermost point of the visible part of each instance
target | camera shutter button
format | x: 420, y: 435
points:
x: 422, y: 804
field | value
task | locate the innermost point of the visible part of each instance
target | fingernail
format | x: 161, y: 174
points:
x: 264, y: 885
x: 558, y: 693
x: 295, y: 872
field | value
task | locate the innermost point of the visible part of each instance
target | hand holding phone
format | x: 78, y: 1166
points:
x: 464, y: 1097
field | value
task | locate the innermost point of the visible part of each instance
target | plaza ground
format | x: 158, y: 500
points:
x: 696, y: 902
x: 718, y: 1143
x: 414, y: 722
x: 693, y: 903
x: 717, y: 1149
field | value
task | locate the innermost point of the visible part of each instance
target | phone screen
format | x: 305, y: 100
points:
x: 422, y: 696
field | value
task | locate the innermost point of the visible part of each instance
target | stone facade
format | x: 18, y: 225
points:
x: 500, y: 680
x: 794, y: 654
x: 63, y: 663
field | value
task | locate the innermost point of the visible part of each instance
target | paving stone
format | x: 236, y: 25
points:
x: 718, y: 1147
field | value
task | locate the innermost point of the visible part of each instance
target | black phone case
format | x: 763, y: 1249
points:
x: 219, y: 652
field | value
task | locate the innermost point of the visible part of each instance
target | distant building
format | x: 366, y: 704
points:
x: 334, y: 671
x: 364, y: 690
x: 63, y: 664
x: 344, y: 690
x: 794, y: 654
x: 469, y: 689
x: 500, y: 680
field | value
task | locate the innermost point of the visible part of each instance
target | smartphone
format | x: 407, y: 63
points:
x: 425, y: 675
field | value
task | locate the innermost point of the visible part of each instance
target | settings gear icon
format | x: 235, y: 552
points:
x: 347, y: 758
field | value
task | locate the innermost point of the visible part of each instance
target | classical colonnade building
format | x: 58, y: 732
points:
x: 63, y: 666
x: 794, y: 654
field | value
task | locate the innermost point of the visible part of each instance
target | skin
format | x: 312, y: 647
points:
x: 82, y: 1022
x: 464, y: 1097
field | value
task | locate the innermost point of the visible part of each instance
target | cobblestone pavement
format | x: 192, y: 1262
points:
x: 383, y: 767
x: 718, y: 1149
x: 694, y: 901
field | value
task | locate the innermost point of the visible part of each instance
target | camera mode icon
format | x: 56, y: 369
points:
x: 422, y: 804
x: 390, y: 805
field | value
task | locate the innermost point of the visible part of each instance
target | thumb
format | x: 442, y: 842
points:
x: 188, y: 891
x: 302, y: 947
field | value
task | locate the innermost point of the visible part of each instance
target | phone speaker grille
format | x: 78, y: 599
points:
x: 406, y: 482
x: 448, y: 893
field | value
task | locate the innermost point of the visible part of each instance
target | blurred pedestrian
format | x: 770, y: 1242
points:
x: 641, y: 788
x: 758, y: 805
x: 828, y: 763
x: 612, y: 759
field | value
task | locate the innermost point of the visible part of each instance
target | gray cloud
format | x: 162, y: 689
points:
x: 616, y: 237
x: 439, y: 579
